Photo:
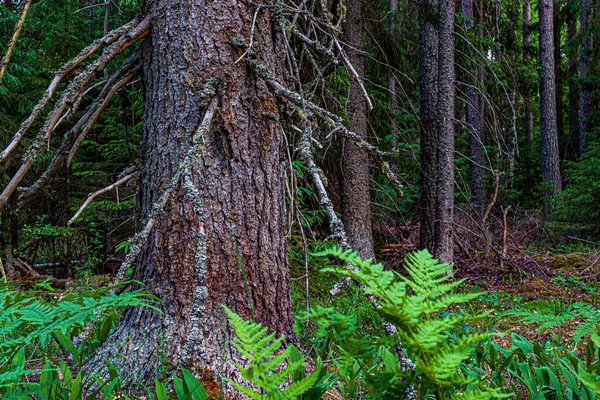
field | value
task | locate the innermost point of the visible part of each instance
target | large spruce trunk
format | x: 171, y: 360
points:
x: 230, y: 247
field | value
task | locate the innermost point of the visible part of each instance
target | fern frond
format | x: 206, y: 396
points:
x: 269, y: 367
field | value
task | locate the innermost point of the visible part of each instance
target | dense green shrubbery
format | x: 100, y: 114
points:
x: 448, y: 356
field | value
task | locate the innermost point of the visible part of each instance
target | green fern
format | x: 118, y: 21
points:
x: 552, y: 313
x: 29, y: 323
x: 268, y: 368
x: 414, y: 304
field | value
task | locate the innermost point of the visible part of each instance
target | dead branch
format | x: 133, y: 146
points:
x: 183, y: 171
x: 339, y: 233
x: 140, y: 238
x: 13, y: 40
x: 81, y: 128
x: 92, y: 196
x: 71, y: 99
x: 59, y: 77
x: 333, y: 119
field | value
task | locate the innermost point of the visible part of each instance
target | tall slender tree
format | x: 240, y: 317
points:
x: 356, y: 200
x: 444, y: 241
x: 586, y: 98
x: 527, y: 57
x: 392, y: 9
x: 557, y: 23
x: 428, y: 88
x: 573, y: 80
x: 475, y: 118
x: 549, y: 131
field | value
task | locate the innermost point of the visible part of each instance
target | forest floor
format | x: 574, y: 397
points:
x: 526, y: 276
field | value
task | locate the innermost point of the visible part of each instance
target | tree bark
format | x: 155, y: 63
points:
x: 573, y: 85
x: 558, y: 71
x: 475, y: 110
x: 444, y: 242
x: 586, y: 97
x: 220, y: 239
x: 393, y: 10
x: 527, y: 56
x: 428, y: 71
x: 549, y: 131
x: 356, y: 199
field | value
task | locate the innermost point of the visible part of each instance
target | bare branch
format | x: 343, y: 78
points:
x: 82, y: 127
x: 58, y: 77
x: 13, y: 40
x: 100, y: 192
x: 71, y: 98
x: 336, y: 121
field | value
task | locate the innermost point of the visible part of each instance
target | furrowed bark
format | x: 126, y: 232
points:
x: 549, y: 132
x: 573, y: 142
x: 444, y: 211
x: 59, y: 77
x: 221, y: 237
x: 70, y: 100
x: 475, y: 109
x: 586, y: 97
x: 356, y: 179
x: 428, y: 89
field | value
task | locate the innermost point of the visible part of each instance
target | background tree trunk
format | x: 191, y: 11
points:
x: 527, y: 56
x: 475, y: 110
x: 586, y: 98
x: 356, y: 183
x: 428, y: 71
x: 572, y: 147
x: 393, y: 9
x: 550, y: 160
x: 230, y: 247
x: 444, y: 242
x: 558, y: 72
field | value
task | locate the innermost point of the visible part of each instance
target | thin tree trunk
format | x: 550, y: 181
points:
x: 527, y: 56
x: 549, y: 131
x: 586, y: 98
x: 475, y: 110
x: 428, y: 70
x: 393, y: 9
x: 573, y: 86
x: 356, y: 199
x: 445, y: 151
x: 220, y: 239
x: 558, y: 72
